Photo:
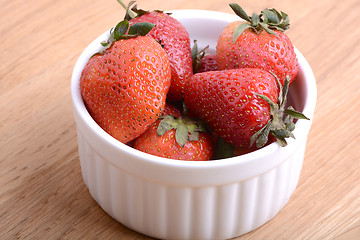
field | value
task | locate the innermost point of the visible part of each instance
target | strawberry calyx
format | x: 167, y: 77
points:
x: 186, y: 129
x: 281, y: 123
x: 141, y: 12
x: 268, y: 20
x: 223, y: 149
x: 123, y: 30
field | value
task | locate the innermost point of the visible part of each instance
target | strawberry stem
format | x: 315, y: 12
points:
x: 129, y: 14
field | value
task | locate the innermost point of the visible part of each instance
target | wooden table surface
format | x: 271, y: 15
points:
x: 42, y: 194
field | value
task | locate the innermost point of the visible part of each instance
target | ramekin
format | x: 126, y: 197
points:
x: 172, y: 199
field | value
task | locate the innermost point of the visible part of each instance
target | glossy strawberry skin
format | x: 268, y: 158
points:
x: 262, y: 50
x: 208, y: 63
x: 225, y: 100
x: 171, y: 109
x: 166, y: 146
x: 125, y: 88
x: 173, y: 36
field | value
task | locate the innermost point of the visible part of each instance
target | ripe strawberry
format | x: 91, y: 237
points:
x: 170, y: 109
x: 125, y: 86
x: 242, y: 106
x: 258, y: 43
x: 174, y: 38
x: 176, y: 138
x: 202, y: 62
x: 208, y: 63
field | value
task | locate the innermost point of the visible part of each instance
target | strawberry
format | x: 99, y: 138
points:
x: 208, y: 63
x: 258, y: 43
x: 171, y: 109
x: 243, y: 106
x: 202, y: 62
x: 124, y: 87
x: 174, y: 38
x: 176, y: 138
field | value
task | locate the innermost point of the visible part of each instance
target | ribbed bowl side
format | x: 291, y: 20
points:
x: 180, y: 212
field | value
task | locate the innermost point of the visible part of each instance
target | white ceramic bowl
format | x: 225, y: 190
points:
x: 172, y: 199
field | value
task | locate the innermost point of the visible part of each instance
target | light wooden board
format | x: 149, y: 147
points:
x: 42, y: 195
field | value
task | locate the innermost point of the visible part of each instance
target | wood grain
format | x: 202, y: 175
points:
x: 42, y: 195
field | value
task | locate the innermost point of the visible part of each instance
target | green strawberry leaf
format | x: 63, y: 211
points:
x: 295, y: 114
x: 166, y: 124
x: 181, y: 134
x: 139, y: 12
x: 282, y: 142
x: 279, y: 16
x: 268, y: 20
x: 197, y: 56
x: 271, y: 16
x: 281, y: 122
x: 121, y: 29
x: 261, y: 137
x: 273, y: 106
x: 194, y: 50
x: 266, y: 28
x: 282, y: 133
x: 239, y: 29
x: 290, y: 126
x: 223, y: 149
x: 286, y: 21
x: 194, y: 136
x: 141, y: 28
x: 255, y: 19
x: 186, y: 129
x: 285, y: 90
x: 239, y: 11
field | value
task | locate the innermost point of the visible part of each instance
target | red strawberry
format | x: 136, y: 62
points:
x: 125, y: 86
x: 236, y: 105
x: 170, y: 109
x: 258, y: 43
x: 208, y: 63
x: 176, y: 138
x: 201, y: 61
x: 174, y: 38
